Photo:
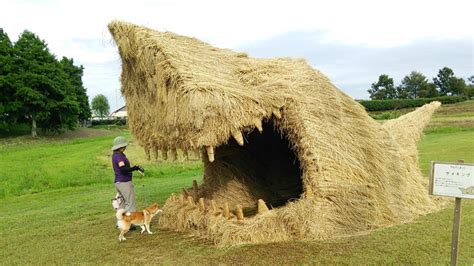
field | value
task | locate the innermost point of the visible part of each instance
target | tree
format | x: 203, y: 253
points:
x: 46, y: 95
x: 428, y: 91
x: 458, y: 86
x: 383, y: 89
x: 443, y: 80
x: 100, y: 105
x: 412, y: 85
x: 471, y: 80
x: 448, y: 83
x: 402, y: 93
x: 8, y: 103
x: 470, y: 87
x: 75, y: 77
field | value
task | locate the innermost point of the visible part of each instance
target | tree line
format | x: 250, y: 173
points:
x: 417, y: 85
x: 37, y: 88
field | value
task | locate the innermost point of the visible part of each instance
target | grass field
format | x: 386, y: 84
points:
x: 55, y: 208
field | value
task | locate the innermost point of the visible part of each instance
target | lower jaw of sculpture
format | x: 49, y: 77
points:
x: 226, y: 226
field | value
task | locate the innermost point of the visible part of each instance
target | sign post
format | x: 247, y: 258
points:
x: 453, y: 180
x: 456, y: 232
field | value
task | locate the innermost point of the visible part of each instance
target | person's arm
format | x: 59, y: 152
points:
x: 126, y: 169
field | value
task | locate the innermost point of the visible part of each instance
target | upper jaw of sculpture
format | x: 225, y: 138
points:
x: 236, y: 136
x: 254, y: 169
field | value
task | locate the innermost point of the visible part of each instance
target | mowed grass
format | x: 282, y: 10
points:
x: 76, y: 225
x: 446, y: 145
x: 32, y: 166
x: 35, y: 167
x: 71, y: 222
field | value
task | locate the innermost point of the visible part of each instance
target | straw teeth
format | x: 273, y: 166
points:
x: 238, y: 137
x: 195, y: 189
x: 190, y: 198
x: 147, y: 153
x: 240, y: 213
x: 174, y: 154
x: 197, y: 153
x: 277, y: 113
x: 190, y: 201
x: 214, y: 206
x: 210, y: 153
x: 258, y: 125
x: 262, y: 207
x: 201, y: 204
x: 155, y: 152
x: 226, y: 210
x: 211, y: 208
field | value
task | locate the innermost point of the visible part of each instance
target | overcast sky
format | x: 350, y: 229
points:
x: 352, y: 42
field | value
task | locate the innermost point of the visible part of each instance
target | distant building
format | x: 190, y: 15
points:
x: 119, y: 113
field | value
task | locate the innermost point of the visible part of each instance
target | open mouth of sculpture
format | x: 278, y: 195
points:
x: 265, y: 167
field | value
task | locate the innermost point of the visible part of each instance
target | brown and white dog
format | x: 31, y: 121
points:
x: 141, y: 218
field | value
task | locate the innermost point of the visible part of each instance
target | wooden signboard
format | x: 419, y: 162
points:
x: 452, y: 180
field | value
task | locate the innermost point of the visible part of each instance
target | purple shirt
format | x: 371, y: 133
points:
x: 119, y: 177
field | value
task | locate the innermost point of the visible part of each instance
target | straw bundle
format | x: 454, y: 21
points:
x: 273, y: 133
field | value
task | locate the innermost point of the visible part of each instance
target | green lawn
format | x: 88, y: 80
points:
x: 55, y: 208
x: 446, y: 145
x: 32, y: 166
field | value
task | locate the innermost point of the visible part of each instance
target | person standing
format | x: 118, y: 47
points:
x: 123, y: 174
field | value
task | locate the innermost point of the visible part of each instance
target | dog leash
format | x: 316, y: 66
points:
x: 145, y: 202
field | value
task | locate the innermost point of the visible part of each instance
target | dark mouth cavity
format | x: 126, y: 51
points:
x: 266, y: 163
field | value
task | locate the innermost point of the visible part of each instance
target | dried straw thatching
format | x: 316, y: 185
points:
x: 287, y: 155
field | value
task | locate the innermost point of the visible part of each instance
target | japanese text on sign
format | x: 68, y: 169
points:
x: 452, y: 180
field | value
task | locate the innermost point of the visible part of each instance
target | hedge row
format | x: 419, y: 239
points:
x: 115, y: 121
x: 395, y: 104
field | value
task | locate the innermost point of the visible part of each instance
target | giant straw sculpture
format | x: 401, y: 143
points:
x: 287, y: 155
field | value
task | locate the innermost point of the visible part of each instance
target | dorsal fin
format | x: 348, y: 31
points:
x: 408, y: 129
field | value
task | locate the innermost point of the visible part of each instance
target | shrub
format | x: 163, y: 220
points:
x: 386, y: 115
x: 395, y: 104
x: 19, y: 129
x: 115, y: 121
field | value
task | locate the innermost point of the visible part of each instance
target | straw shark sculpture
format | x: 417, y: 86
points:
x: 286, y: 154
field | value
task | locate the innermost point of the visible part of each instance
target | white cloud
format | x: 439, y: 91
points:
x: 78, y: 29
x: 230, y: 23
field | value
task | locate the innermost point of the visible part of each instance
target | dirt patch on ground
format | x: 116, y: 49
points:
x: 465, y: 123
x: 71, y: 134
x: 83, y: 133
x: 450, y: 109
